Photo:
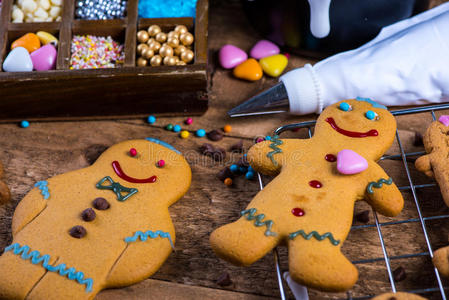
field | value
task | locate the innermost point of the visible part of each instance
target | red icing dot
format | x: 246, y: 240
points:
x: 298, y: 212
x: 132, y: 152
x: 330, y: 157
x: 161, y: 163
x: 315, y: 184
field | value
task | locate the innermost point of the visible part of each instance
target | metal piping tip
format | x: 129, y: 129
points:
x: 271, y: 101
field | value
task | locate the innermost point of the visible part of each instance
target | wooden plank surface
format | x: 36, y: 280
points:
x: 49, y: 148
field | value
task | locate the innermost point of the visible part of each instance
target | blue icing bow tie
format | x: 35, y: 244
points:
x: 117, y: 188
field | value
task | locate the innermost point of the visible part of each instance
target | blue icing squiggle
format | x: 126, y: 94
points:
x: 372, y: 102
x: 43, y: 186
x: 36, y: 258
x: 162, y: 143
x: 152, y: 234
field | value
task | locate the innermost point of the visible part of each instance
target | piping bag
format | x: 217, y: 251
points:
x: 406, y: 64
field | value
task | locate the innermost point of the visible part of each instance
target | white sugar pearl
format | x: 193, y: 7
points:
x: 58, y: 19
x: 56, y: 2
x: 29, y: 16
x: 28, y: 6
x: 49, y: 19
x: 55, y: 11
x: 17, y: 15
x: 40, y: 13
x: 45, y: 4
x: 19, y: 2
x: 38, y: 20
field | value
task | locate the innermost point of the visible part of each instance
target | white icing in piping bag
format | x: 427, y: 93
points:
x: 319, y: 18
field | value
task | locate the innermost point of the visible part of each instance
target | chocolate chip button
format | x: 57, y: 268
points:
x: 101, y: 204
x: 214, y: 135
x: 78, y: 231
x: 88, y: 215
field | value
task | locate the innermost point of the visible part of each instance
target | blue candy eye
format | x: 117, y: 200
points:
x: 371, y: 115
x: 345, y: 106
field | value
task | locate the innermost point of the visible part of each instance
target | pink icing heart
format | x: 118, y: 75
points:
x: 264, y: 48
x: 349, y: 162
x: 444, y: 119
x: 230, y: 56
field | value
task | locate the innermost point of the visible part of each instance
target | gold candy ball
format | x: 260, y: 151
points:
x: 173, y: 34
x: 186, y: 38
x: 155, y: 46
x: 169, y: 61
x: 150, y: 40
x: 141, y: 47
x: 147, y: 53
x: 153, y: 30
x: 181, y: 29
x: 173, y: 42
x: 180, y: 49
x: 176, y: 58
x: 187, y: 56
x: 142, y: 36
x: 166, y: 50
x: 161, y: 37
x: 156, y: 60
x: 181, y: 63
x: 141, y: 62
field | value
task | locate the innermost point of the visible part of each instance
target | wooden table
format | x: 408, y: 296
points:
x: 49, y: 148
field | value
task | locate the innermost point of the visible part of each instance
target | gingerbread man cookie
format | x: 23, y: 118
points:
x: 103, y: 226
x: 309, y: 205
x: 5, y: 194
x: 435, y: 164
x: 399, y: 296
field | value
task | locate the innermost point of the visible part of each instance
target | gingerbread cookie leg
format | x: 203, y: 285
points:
x: 441, y: 260
x: 320, y: 264
x: 242, y: 243
x: 423, y: 165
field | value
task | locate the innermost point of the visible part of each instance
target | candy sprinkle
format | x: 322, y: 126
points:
x: 24, y: 124
x: 93, y: 52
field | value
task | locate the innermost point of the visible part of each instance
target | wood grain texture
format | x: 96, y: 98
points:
x: 49, y: 148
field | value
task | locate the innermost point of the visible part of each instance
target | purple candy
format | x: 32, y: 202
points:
x: 230, y: 56
x: 264, y: 48
x: 44, y: 58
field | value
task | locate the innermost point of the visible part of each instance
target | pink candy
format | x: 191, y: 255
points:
x: 444, y: 119
x: 230, y: 56
x: 264, y: 48
x: 350, y: 162
x: 44, y: 58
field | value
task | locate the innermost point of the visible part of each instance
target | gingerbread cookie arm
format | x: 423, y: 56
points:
x: 382, y: 194
x: 30, y: 206
x: 423, y: 164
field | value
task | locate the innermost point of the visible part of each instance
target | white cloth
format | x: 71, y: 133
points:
x: 406, y: 64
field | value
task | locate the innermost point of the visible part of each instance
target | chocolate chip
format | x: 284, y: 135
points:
x: 363, y: 216
x: 101, y: 203
x: 78, y: 231
x: 237, y: 147
x: 399, y: 274
x: 219, y: 154
x: 224, y: 279
x: 225, y: 173
x: 93, y: 152
x: 418, y: 141
x: 88, y: 215
x: 243, y: 162
x: 214, y: 135
x: 207, y: 149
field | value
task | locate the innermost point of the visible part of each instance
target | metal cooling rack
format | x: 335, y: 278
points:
x: 410, y: 188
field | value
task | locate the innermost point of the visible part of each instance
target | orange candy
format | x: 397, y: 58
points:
x: 227, y: 128
x: 228, y: 181
x: 250, y: 70
x: 29, y: 41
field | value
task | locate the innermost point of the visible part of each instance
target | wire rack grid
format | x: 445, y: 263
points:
x: 411, y: 187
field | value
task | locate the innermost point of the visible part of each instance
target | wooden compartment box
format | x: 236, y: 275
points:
x: 121, y: 92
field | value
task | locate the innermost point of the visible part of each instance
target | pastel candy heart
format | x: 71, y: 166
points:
x: 231, y: 56
x: 274, y: 65
x: 444, y: 119
x: 248, y: 70
x: 264, y: 48
x: 29, y: 41
x: 18, y: 60
x: 349, y: 162
x: 44, y: 58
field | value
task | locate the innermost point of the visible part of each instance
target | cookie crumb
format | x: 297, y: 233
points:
x: 224, y: 279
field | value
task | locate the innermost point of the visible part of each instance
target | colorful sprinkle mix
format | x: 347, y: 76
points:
x: 93, y: 52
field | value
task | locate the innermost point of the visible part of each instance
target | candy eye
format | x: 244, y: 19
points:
x: 345, y: 106
x: 371, y: 115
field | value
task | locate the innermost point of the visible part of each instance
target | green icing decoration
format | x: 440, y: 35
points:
x: 378, y: 184
x: 251, y: 216
x: 275, y: 142
x: 316, y: 235
x: 117, y: 188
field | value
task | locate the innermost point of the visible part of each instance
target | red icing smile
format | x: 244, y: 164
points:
x: 354, y: 134
x: 118, y: 170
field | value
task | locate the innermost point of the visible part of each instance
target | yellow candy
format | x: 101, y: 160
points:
x: 274, y: 65
x: 47, y: 38
x: 184, y: 134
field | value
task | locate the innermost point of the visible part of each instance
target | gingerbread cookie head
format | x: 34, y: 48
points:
x: 437, y: 135
x: 360, y: 124
x: 147, y: 165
